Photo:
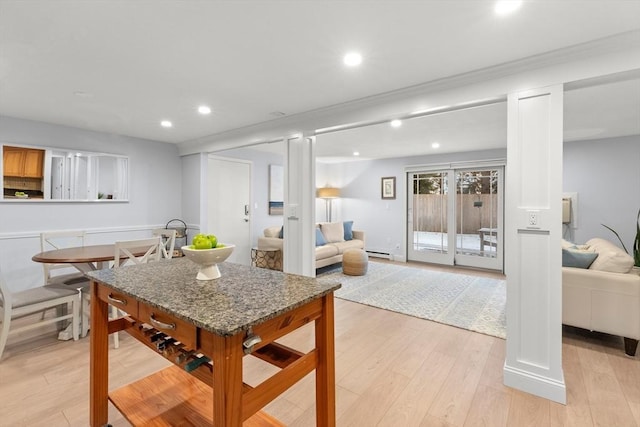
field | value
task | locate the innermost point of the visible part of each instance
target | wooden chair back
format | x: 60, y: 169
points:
x: 125, y: 251
x: 167, y: 241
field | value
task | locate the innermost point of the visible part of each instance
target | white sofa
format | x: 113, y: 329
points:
x: 604, y: 297
x: 327, y: 254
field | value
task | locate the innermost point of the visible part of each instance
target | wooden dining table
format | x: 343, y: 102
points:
x: 84, y: 258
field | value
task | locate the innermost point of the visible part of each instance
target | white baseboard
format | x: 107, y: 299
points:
x: 545, y: 387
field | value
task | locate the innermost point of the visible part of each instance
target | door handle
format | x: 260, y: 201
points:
x: 246, y: 209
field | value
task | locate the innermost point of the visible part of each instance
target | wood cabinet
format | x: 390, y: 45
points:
x: 22, y: 162
x: 204, y: 386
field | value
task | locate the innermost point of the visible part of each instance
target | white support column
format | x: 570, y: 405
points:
x: 299, y: 206
x: 533, y: 229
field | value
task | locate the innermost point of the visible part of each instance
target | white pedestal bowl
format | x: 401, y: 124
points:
x: 208, y: 260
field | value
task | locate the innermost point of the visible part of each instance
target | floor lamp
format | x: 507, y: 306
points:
x: 328, y: 194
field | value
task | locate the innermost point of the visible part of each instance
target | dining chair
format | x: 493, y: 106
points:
x: 124, y: 255
x: 15, y: 305
x: 167, y: 241
x: 50, y: 240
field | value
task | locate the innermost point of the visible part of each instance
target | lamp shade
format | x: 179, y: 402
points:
x: 328, y: 193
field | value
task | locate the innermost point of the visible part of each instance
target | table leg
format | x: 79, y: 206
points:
x: 227, y: 380
x: 325, y: 371
x: 99, y: 360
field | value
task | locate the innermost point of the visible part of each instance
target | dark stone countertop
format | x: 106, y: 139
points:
x: 243, y: 297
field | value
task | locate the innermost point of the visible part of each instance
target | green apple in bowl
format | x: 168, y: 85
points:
x: 208, y: 259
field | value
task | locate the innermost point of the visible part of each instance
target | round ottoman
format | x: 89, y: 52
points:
x: 354, y: 262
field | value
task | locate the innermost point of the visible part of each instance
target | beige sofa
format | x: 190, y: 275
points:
x: 604, y: 297
x: 327, y: 254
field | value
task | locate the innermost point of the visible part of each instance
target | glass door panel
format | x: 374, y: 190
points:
x: 429, y: 237
x: 479, y: 217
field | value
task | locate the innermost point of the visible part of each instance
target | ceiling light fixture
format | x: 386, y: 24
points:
x: 356, y: 153
x: 352, y: 59
x: 505, y: 7
x: 166, y: 124
x: 203, y: 109
x: 435, y: 145
x: 396, y: 123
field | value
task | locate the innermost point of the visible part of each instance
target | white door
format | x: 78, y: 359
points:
x: 228, y: 205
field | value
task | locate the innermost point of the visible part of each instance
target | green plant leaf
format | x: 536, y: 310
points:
x: 636, y: 242
x: 617, y: 235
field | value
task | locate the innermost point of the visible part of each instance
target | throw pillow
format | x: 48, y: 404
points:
x: 272, y: 231
x: 577, y: 258
x: 348, y: 230
x: 611, y: 258
x: 320, y: 241
x: 333, y: 231
x: 281, y: 232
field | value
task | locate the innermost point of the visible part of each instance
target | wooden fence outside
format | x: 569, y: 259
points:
x: 429, y: 212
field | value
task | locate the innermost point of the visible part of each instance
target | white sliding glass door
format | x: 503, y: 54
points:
x: 455, y: 216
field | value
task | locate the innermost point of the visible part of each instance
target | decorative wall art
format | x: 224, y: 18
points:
x: 389, y: 187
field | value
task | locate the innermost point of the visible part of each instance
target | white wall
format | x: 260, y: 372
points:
x: 360, y: 195
x: 155, y: 183
x: 606, y: 175
x: 192, y: 192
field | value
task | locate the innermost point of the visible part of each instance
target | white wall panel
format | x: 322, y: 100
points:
x: 532, y: 239
x: 299, y: 206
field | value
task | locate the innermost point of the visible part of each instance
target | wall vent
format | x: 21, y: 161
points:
x: 379, y: 254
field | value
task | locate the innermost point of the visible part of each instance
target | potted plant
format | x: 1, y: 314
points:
x: 636, y: 242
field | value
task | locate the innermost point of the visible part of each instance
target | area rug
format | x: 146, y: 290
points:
x: 469, y: 302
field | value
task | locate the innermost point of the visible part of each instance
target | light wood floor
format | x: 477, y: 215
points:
x: 391, y: 369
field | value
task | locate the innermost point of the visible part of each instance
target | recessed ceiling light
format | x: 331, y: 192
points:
x: 166, y: 124
x: 352, y: 59
x: 505, y: 7
x: 396, y: 123
x: 435, y: 145
x: 203, y: 109
x: 356, y: 153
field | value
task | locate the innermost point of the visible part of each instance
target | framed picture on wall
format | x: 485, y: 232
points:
x: 389, y: 187
x: 276, y: 190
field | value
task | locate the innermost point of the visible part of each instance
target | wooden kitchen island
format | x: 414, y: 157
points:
x: 205, y: 328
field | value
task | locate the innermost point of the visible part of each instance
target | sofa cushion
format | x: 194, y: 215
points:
x: 577, y: 258
x: 347, y: 244
x: 320, y: 241
x: 326, y: 251
x: 348, y: 230
x: 272, y: 231
x: 333, y: 231
x: 270, y: 243
x: 611, y: 258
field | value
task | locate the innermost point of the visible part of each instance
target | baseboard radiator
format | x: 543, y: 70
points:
x: 379, y: 254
